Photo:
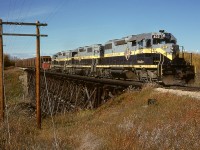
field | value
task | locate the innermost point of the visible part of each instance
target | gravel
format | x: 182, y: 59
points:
x: 180, y: 92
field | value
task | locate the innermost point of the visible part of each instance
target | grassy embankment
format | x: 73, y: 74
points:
x: 125, y: 122
x: 196, y: 63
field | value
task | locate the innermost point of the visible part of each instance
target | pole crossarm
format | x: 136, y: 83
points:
x: 16, y: 34
x: 23, y: 23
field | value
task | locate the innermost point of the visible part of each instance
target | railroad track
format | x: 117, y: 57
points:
x: 115, y: 82
x: 184, y: 88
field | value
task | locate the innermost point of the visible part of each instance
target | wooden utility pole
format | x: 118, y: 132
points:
x: 37, y: 91
x: 38, y: 103
x: 1, y: 74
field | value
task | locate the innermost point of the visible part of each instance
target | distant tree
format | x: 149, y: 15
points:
x: 8, y: 61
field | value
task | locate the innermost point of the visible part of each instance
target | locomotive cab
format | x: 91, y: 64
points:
x: 174, y: 69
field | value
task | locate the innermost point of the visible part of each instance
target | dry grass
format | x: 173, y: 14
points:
x: 196, y: 63
x: 124, y: 122
x: 127, y: 122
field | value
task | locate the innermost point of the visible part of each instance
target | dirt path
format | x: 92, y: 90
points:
x: 180, y: 92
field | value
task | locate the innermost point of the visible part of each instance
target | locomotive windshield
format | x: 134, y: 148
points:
x: 166, y: 38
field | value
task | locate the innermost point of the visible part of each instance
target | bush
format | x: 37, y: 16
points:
x: 8, y: 61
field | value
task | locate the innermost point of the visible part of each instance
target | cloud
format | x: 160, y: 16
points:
x: 36, y: 13
x: 33, y: 13
x: 22, y: 55
x: 28, y: 55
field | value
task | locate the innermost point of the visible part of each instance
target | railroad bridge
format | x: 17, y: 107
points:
x: 62, y: 92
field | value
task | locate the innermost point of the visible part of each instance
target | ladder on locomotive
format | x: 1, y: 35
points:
x: 160, y: 67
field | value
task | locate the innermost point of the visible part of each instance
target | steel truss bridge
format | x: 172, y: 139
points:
x: 62, y: 92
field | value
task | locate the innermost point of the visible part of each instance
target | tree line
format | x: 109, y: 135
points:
x: 8, y: 60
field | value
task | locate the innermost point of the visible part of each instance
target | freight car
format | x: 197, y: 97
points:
x: 148, y: 57
x: 31, y: 62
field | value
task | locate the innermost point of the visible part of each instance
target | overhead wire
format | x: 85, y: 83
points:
x: 47, y: 19
x: 20, y: 17
x: 13, y: 13
x: 29, y: 8
x: 51, y: 16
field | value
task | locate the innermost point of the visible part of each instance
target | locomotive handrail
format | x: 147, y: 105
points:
x: 158, y: 68
x: 160, y: 64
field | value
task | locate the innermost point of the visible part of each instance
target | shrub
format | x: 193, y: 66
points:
x: 8, y: 61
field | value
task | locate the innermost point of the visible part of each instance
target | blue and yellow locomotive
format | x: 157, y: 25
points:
x: 148, y: 57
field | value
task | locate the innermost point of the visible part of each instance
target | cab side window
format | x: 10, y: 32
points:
x: 140, y: 44
x: 148, y: 43
x: 134, y: 43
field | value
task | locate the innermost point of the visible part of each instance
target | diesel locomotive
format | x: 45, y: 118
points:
x: 147, y: 57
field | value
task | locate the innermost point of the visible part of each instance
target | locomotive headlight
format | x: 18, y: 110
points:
x: 164, y: 47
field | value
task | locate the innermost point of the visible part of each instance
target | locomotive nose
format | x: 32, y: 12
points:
x: 175, y: 50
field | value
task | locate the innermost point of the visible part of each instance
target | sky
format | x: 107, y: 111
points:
x: 77, y: 23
